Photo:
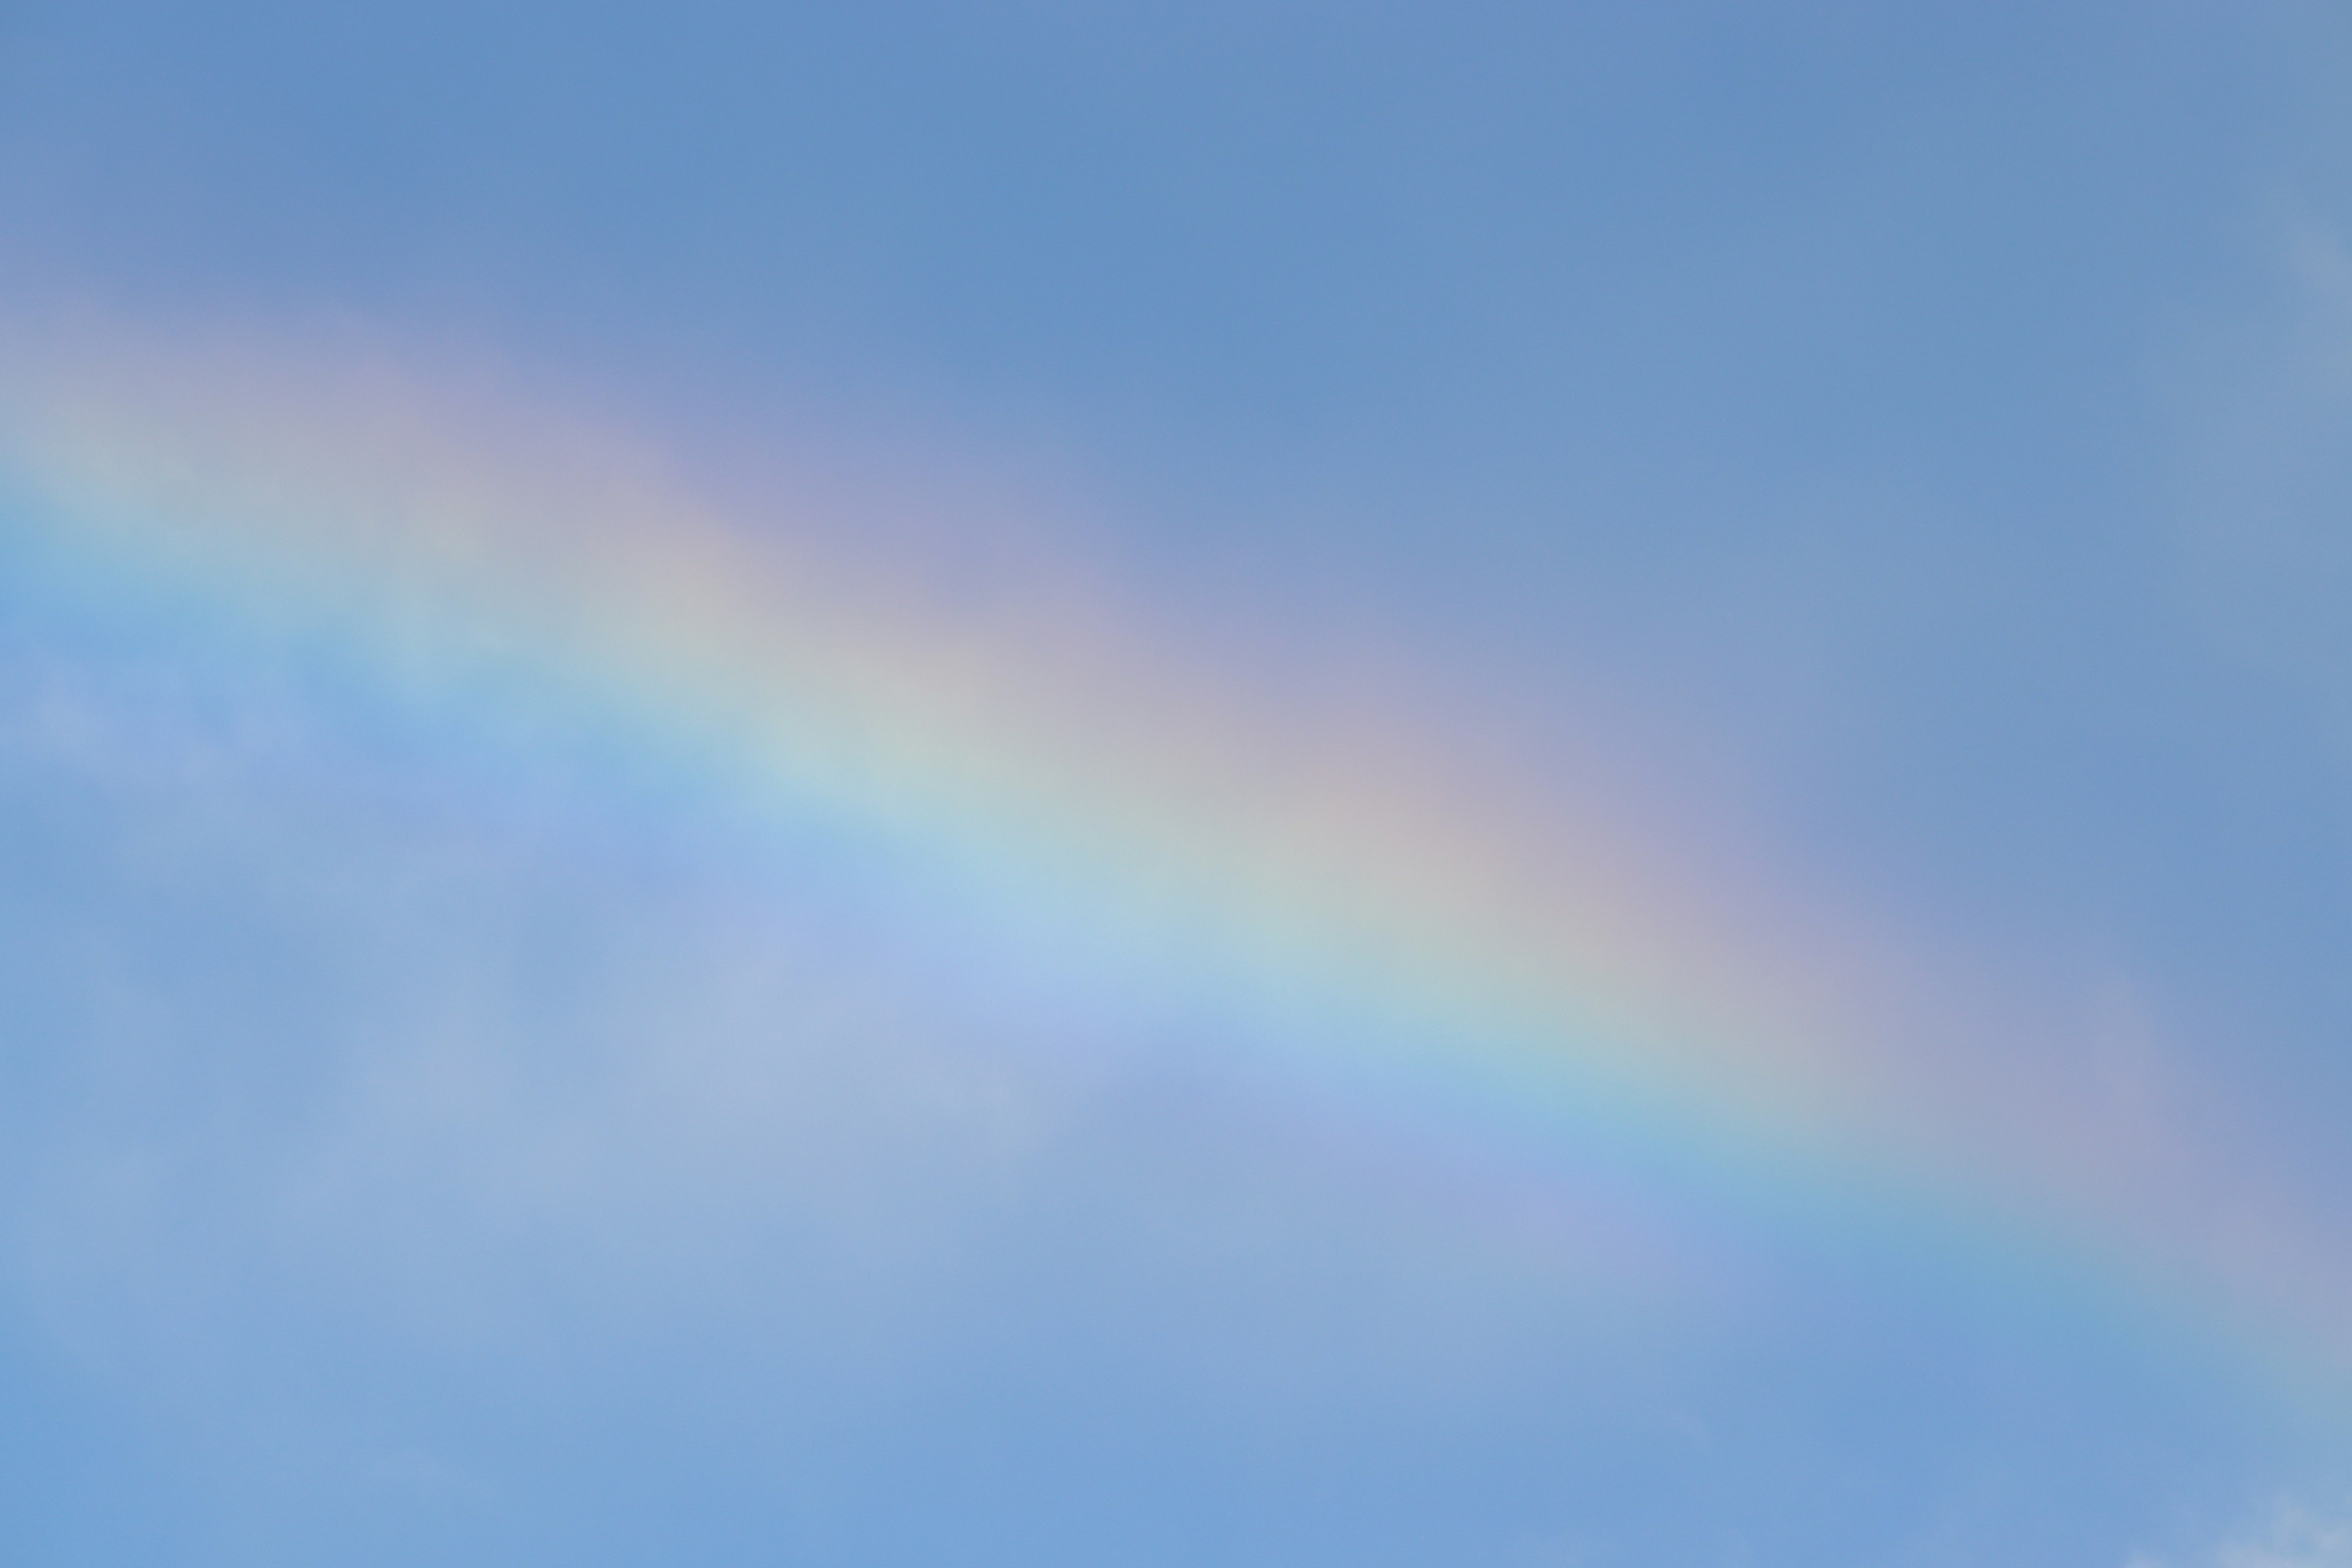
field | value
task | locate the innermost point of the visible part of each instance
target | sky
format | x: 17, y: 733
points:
x: 1047, y: 783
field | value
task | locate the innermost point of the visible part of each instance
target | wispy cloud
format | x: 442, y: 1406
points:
x: 2293, y: 1537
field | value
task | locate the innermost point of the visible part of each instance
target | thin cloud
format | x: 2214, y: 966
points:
x: 2293, y: 1537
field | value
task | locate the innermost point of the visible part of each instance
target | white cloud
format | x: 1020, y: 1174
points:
x: 2292, y: 1537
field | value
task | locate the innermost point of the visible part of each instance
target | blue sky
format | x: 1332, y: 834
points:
x: 1886, y: 466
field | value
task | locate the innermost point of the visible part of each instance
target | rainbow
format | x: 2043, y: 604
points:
x: 1498, y: 958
